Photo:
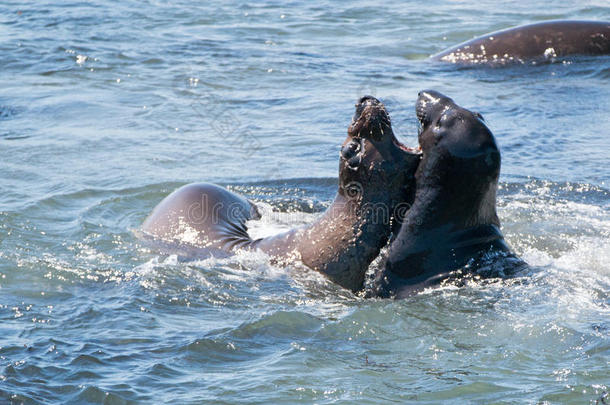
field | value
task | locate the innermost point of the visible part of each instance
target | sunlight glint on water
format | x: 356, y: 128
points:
x: 105, y: 108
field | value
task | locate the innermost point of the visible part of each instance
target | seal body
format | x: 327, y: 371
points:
x: 199, y: 220
x: 532, y: 43
x: 453, y: 219
x: 376, y: 175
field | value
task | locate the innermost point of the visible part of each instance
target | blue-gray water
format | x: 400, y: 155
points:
x: 106, y: 107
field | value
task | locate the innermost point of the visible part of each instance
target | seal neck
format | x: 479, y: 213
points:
x: 341, y: 244
x: 463, y: 208
x: 347, y: 238
x: 442, y: 250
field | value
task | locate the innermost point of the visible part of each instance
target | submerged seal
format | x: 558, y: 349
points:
x: 533, y: 42
x: 376, y: 175
x: 453, y: 217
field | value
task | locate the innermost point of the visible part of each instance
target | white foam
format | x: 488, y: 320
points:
x: 274, y: 222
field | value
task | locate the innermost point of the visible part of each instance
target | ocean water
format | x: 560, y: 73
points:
x: 106, y: 107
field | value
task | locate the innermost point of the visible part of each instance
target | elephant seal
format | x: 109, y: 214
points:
x: 376, y: 175
x: 531, y: 43
x: 453, y: 218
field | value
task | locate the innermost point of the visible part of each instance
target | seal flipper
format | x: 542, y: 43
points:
x: 202, y: 216
x: 232, y: 223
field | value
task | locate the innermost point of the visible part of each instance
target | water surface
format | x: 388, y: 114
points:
x: 107, y: 107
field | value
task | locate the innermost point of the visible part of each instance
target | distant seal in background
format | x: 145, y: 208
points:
x: 376, y: 175
x: 453, y: 218
x: 531, y: 43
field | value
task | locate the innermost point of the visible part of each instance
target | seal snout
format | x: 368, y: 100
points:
x: 429, y: 104
x: 371, y: 120
x: 431, y: 95
x: 363, y: 103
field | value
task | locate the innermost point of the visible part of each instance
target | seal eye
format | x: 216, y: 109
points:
x: 479, y: 116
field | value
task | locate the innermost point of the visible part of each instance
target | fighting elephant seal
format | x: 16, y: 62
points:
x: 453, y: 218
x: 531, y: 43
x: 375, y: 177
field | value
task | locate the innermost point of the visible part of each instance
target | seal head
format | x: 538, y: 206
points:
x: 453, y: 217
x: 372, y: 160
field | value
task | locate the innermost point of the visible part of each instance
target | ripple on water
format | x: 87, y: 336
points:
x: 105, y: 108
x: 7, y: 112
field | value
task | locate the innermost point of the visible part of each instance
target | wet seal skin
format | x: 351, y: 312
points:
x: 532, y: 43
x: 452, y: 223
x: 376, y: 178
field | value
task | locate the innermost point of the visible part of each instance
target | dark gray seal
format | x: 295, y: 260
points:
x: 452, y: 222
x: 376, y: 176
x: 531, y: 43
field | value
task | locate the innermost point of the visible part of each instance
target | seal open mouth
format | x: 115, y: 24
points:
x: 371, y: 120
